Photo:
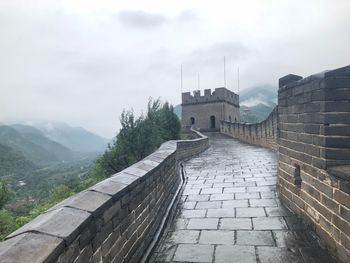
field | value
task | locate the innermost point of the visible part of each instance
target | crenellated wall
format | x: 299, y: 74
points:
x: 263, y: 133
x: 314, y: 153
x: 114, y: 220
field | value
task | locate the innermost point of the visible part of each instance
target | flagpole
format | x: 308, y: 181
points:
x: 224, y: 72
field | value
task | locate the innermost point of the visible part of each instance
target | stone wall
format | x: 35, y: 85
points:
x: 314, y: 153
x: 263, y: 133
x: 114, y: 220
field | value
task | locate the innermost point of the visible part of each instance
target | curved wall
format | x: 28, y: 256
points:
x: 112, y: 221
x: 263, y: 133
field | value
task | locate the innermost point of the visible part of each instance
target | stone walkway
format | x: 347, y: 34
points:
x: 229, y: 212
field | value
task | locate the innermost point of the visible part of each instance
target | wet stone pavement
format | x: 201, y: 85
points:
x: 229, y: 212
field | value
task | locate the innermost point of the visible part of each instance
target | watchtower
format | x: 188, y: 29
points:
x: 206, y: 111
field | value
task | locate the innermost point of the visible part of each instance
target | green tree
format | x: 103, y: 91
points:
x: 7, y: 222
x: 138, y: 137
x: 4, y: 193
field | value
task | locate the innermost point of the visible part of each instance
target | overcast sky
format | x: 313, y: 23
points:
x: 83, y: 61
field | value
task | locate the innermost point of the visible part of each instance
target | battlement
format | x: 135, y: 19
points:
x: 218, y: 95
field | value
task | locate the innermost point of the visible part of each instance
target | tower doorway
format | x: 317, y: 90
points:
x: 212, y: 122
x: 192, y: 120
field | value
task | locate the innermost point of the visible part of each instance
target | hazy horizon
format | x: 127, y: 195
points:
x: 83, y: 62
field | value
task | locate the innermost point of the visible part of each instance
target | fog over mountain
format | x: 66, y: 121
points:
x: 83, y: 62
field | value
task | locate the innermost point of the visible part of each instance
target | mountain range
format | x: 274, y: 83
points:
x: 76, y: 139
x: 25, y: 148
x: 34, y: 157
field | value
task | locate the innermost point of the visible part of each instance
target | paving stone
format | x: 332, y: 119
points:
x: 247, y: 195
x: 191, y: 191
x: 221, y: 185
x: 211, y: 191
x: 245, y: 184
x: 215, y: 197
x: 210, y: 204
x: 269, y: 223
x: 203, y: 223
x: 236, y: 223
x: 188, y: 205
x: 278, y: 211
x: 260, y: 188
x: 223, y: 212
x: 278, y: 255
x: 194, y: 253
x: 255, y: 238
x: 291, y: 239
x: 234, y: 180
x: 230, y: 190
x: 262, y: 202
x: 234, y: 203
x: 189, y: 213
x: 271, y: 194
x: 197, y: 182
x: 197, y: 198
x: 213, y: 181
x: 236, y: 254
x: 217, y: 237
x: 180, y: 223
x: 201, y: 186
x: 183, y: 236
x: 250, y: 212
x: 294, y: 223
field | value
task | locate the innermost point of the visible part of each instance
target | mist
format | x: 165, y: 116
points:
x: 83, y: 62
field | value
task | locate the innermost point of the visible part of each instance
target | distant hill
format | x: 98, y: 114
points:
x: 13, y: 163
x: 257, y: 103
x: 31, y: 162
x: 33, y: 152
x: 265, y: 95
x: 255, y: 113
x: 75, y: 138
x: 34, y: 135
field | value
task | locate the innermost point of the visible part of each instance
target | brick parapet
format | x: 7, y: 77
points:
x: 112, y: 221
x: 314, y: 153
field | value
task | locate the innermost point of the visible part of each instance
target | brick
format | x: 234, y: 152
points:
x: 343, y: 225
x: 330, y: 204
x: 345, y: 213
x: 324, y: 188
x: 345, y: 241
x: 342, y: 198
